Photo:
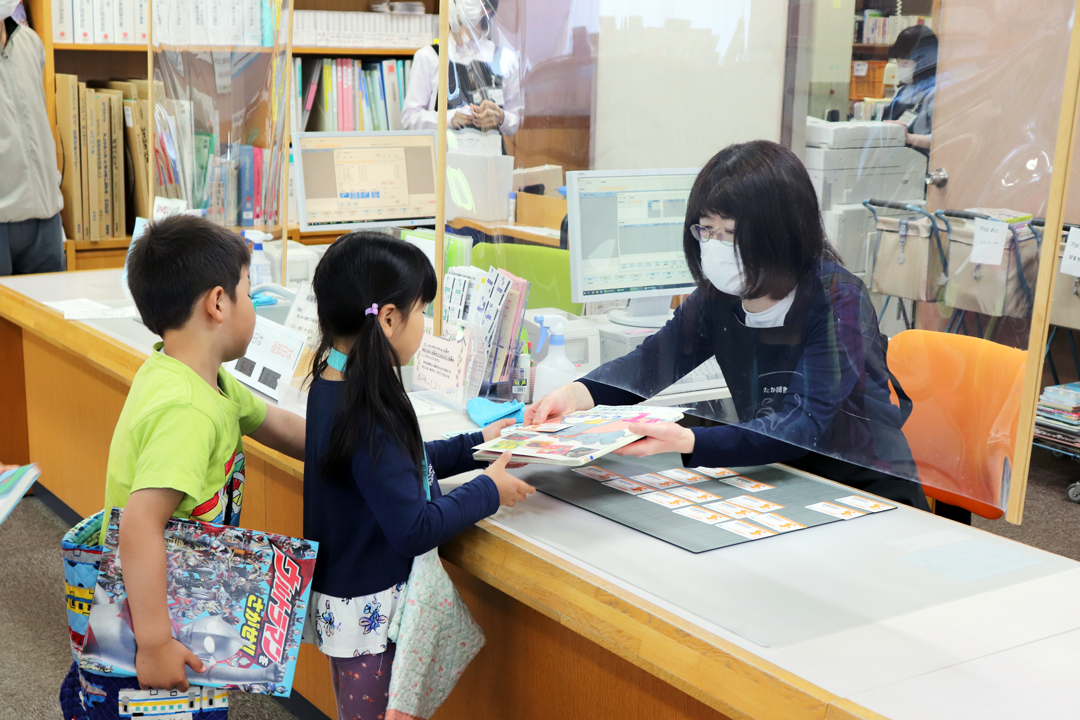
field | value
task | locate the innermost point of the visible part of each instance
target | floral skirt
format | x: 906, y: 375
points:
x: 351, y: 627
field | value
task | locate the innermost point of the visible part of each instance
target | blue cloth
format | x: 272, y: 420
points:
x: 484, y: 412
x: 371, y: 526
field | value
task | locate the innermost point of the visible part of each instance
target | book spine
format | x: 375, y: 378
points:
x: 267, y: 22
x: 63, y: 24
x: 105, y: 154
x: 247, y: 186
x: 94, y: 157
x: 67, y: 121
x: 84, y: 175
x: 258, y: 189
x: 124, y: 21
x: 142, y: 22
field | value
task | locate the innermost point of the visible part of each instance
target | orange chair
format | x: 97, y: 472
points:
x: 965, y: 393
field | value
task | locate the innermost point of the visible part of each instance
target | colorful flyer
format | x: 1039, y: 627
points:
x: 728, y: 509
x: 865, y: 503
x: 626, y: 486
x: 745, y: 529
x: 665, y: 499
x: 779, y: 523
x: 745, y: 483
x: 656, y: 481
x: 755, y: 504
x: 681, y: 475
x: 829, y: 508
x: 701, y: 514
x: 597, y: 473
x: 546, y: 427
x: 698, y: 496
x: 716, y: 472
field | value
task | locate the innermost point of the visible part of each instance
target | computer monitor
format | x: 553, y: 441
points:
x: 626, y: 240
x: 350, y: 180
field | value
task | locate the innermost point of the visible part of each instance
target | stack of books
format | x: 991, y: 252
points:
x: 344, y: 95
x: 1057, y: 417
x: 327, y: 28
x: 494, y: 302
x: 103, y: 131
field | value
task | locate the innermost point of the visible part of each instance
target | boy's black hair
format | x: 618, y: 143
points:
x: 175, y: 262
x: 779, y: 235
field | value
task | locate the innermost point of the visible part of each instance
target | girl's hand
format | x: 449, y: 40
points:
x: 494, y: 430
x: 5, y: 468
x: 659, y: 438
x: 511, y: 490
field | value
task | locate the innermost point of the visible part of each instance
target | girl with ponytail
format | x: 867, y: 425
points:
x: 365, y: 463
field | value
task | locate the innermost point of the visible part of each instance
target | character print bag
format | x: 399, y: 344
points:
x: 436, y: 638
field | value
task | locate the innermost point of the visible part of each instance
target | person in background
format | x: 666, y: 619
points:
x: 31, y: 234
x: 484, y: 90
x: 916, y: 51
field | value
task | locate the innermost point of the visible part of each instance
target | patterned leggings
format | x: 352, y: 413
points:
x: 362, y: 684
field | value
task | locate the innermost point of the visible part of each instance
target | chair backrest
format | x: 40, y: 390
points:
x: 965, y: 393
x: 548, y: 269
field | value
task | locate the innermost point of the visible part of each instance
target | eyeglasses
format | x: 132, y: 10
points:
x: 703, y: 234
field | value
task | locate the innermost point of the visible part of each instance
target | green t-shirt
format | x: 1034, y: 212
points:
x: 177, y: 432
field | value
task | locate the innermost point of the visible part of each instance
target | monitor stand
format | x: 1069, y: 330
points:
x: 645, y: 312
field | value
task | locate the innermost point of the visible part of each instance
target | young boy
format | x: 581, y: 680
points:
x: 176, y: 450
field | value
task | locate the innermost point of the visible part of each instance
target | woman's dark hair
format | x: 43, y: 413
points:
x: 918, y: 43
x: 358, y: 270
x: 766, y: 190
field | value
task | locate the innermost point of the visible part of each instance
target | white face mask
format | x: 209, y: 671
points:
x: 720, y: 264
x: 7, y: 8
x: 463, y: 13
x: 904, y: 75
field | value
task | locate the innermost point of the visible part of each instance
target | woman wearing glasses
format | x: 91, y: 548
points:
x: 794, y: 333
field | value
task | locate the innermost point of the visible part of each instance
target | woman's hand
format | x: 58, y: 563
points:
x: 494, y: 430
x: 659, y: 438
x: 557, y: 403
x: 460, y: 120
x: 487, y: 115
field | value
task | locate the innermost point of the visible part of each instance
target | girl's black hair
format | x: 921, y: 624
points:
x: 358, y: 270
x: 918, y: 43
x: 779, y: 234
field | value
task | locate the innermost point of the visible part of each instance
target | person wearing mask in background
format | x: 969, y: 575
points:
x: 916, y: 51
x: 31, y: 235
x: 484, y: 90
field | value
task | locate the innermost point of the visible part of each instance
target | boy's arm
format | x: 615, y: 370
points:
x: 159, y: 658
x: 283, y: 431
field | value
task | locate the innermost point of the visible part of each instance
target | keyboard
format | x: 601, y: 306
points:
x: 705, y: 376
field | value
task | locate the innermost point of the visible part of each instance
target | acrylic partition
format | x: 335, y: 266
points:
x: 826, y: 252
x: 220, y: 92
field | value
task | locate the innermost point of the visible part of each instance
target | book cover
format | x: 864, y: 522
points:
x: 237, y: 598
x: 67, y: 125
x: 63, y: 24
x: 13, y: 485
x: 575, y: 439
x: 83, y: 19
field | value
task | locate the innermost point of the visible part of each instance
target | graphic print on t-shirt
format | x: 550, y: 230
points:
x: 217, y: 508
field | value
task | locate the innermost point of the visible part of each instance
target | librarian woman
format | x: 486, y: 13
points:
x: 794, y: 333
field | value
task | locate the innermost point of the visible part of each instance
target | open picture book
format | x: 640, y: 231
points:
x: 575, y: 439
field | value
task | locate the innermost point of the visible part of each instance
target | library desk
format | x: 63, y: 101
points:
x: 899, y: 615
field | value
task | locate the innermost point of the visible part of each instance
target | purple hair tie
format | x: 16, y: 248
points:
x: 373, y: 310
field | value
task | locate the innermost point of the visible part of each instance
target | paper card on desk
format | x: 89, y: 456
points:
x: 779, y: 523
x: 656, y: 481
x: 745, y: 529
x: 693, y: 495
x: 717, y: 472
x: 597, y: 473
x: 86, y: 309
x: 989, y: 243
x: 665, y: 499
x: 728, y: 509
x: 679, y: 474
x: 755, y: 504
x: 440, y: 366
x: 270, y: 359
x: 624, y: 485
x: 746, y: 483
x: 1070, y: 259
x: 423, y: 406
x: 866, y: 504
x: 835, y: 510
x: 701, y: 514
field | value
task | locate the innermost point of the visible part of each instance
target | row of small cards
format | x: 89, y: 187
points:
x: 673, y: 489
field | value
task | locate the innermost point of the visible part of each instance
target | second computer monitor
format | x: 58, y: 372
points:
x: 626, y: 239
x: 349, y: 180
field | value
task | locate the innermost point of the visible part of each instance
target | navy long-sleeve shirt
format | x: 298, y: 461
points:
x: 371, y: 527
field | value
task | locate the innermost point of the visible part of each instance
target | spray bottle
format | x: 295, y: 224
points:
x: 259, y: 270
x: 556, y: 369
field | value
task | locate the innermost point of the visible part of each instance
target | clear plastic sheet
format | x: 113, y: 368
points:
x: 836, y: 311
x: 220, y: 108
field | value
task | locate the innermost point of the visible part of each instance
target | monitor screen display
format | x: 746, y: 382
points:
x: 353, y: 178
x: 626, y: 237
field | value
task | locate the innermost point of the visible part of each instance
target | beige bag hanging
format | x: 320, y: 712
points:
x: 1065, y: 307
x: 907, y: 261
x: 995, y: 290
